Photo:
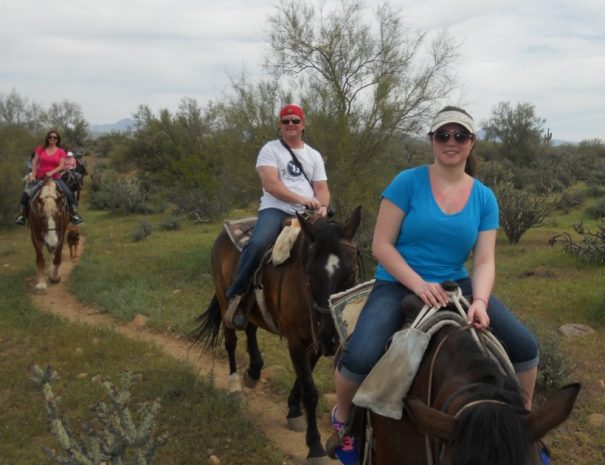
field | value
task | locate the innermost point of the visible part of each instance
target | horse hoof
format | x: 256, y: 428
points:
x: 54, y: 280
x: 234, y: 385
x: 249, y: 382
x: 297, y: 423
x: 40, y: 289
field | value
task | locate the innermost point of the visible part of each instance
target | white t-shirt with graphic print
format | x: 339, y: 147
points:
x: 274, y: 154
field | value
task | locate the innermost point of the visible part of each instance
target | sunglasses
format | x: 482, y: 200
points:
x: 293, y: 121
x: 459, y: 136
x: 53, y: 137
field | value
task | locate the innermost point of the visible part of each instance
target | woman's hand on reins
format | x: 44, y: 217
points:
x: 477, y: 315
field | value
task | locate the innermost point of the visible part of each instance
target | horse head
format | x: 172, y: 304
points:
x: 330, y: 267
x: 492, y: 432
x: 48, y: 215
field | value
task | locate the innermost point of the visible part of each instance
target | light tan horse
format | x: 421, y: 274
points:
x: 48, y: 219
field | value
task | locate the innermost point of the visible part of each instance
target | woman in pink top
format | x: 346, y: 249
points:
x: 48, y: 162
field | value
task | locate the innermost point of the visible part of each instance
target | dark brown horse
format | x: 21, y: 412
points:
x: 469, y: 410
x: 48, y: 219
x: 322, y: 262
x: 75, y: 179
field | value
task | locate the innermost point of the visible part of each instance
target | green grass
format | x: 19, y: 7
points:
x: 79, y: 354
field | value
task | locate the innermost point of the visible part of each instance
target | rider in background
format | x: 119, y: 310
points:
x: 290, y: 184
x: 70, y: 161
x: 431, y: 218
x: 48, y: 162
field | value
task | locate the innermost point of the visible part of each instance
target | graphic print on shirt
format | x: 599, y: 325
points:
x: 293, y: 172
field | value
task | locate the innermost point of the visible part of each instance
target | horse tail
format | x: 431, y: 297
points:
x: 207, y: 332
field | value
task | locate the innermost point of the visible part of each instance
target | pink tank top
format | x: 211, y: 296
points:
x: 48, y: 162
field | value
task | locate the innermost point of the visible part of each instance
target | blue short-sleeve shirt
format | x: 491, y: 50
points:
x: 435, y: 244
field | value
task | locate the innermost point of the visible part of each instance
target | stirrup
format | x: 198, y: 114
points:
x: 21, y: 219
x: 234, y: 316
x: 75, y: 219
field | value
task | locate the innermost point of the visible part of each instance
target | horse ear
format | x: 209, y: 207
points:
x: 429, y: 420
x: 553, y: 412
x: 309, y: 229
x: 352, y: 224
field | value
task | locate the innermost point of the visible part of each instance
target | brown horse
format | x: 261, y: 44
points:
x: 323, y: 261
x: 48, y: 219
x: 463, y: 410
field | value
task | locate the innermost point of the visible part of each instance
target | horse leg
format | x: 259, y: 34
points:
x: 53, y: 270
x: 252, y: 374
x: 303, y: 366
x: 41, y: 281
x: 230, y: 345
x: 295, y: 417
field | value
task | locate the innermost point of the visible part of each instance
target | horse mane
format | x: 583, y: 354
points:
x: 484, y: 433
x: 329, y: 235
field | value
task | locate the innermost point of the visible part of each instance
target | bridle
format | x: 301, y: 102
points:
x: 439, y: 450
x: 315, y: 308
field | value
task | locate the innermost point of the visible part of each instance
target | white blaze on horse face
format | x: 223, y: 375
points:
x: 332, y: 265
x: 48, y: 196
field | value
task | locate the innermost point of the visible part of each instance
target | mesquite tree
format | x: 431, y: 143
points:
x: 363, y: 81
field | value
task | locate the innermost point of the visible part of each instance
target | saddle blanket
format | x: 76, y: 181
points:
x: 346, y: 306
x: 239, y: 231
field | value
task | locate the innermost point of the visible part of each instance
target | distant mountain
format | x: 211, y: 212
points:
x: 124, y: 125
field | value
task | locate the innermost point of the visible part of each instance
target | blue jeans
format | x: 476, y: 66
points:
x: 382, y: 316
x: 268, y: 225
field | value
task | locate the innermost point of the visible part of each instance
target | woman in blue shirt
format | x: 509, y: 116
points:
x: 430, y: 219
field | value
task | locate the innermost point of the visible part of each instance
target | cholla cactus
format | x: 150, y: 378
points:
x: 119, y: 438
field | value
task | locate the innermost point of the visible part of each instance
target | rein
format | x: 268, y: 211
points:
x: 486, y: 342
x: 430, y: 454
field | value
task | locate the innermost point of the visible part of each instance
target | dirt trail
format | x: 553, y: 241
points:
x: 267, y: 414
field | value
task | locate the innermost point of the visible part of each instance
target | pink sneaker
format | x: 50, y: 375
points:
x: 346, y: 452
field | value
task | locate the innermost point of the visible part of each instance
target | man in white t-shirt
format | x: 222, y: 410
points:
x: 290, y: 184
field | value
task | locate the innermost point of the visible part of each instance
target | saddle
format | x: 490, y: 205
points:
x: 240, y: 231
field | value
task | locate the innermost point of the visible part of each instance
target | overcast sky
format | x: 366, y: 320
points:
x: 111, y: 56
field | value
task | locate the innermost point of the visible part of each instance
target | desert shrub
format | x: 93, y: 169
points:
x: 521, y: 210
x: 591, y: 247
x: 197, y: 202
x: 572, y: 199
x: 114, y: 436
x: 170, y: 223
x: 595, y: 192
x: 493, y: 173
x: 118, y: 192
x: 597, y: 210
x: 553, y: 371
x: 142, y: 230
